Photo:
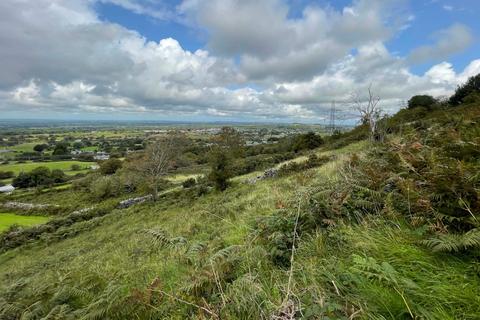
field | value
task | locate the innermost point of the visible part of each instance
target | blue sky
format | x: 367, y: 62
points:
x: 198, y: 60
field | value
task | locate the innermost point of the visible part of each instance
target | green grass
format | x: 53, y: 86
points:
x: 92, y: 148
x: 16, y: 168
x: 8, y: 219
x: 373, y: 270
x: 23, y: 147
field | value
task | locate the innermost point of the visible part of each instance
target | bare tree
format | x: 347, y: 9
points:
x: 159, y: 158
x: 369, y: 109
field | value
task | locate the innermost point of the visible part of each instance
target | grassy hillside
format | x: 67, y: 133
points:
x: 346, y: 240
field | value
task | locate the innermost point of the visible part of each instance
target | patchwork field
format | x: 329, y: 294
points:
x: 16, y: 168
x: 8, y: 219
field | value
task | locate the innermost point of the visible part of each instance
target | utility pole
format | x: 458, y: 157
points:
x: 331, y: 125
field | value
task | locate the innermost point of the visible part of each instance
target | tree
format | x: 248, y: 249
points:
x: 110, y: 166
x: 422, y: 101
x: 159, y: 157
x: 77, y: 145
x: 230, y: 139
x: 40, y: 147
x: 40, y: 176
x: 466, y: 91
x: 307, y: 141
x: 370, y: 111
x: 228, y: 146
x: 220, y: 169
x: 61, y: 148
x: 58, y: 176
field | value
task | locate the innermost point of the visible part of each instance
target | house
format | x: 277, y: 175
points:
x: 101, y: 156
x: 7, y: 189
x: 76, y: 152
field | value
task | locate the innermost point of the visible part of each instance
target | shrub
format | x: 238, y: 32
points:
x: 425, y: 101
x: 40, y: 176
x: 220, y: 169
x: 6, y: 175
x: 189, y: 183
x: 469, y: 89
x: 307, y: 141
x: 110, y: 166
x: 40, y: 147
x: 106, y: 187
x: 61, y: 148
x: 75, y: 167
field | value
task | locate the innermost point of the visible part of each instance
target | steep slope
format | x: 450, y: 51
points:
x: 229, y: 255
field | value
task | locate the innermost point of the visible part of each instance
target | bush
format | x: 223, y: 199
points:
x: 110, y: 166
x: 189, y: 183
x: 307, y: 141
x: 106, y: 187
x: 221, y: 171
x: 40, y: 176
x: 467, y: 91
x: 75, y: 167
x: 425, y: 101
x: 61, y: 149
x: 40, y: 147
x: 6, y: 175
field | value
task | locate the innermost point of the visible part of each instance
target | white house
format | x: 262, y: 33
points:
x: 76, y: 152
x: 7, y: 189
x: 101, y: 156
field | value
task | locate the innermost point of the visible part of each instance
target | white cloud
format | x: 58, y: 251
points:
x: 60, y: 57
x: 449, y: 41
x: 447, y: 7
x: 154, y: 9
x: 273, y: 46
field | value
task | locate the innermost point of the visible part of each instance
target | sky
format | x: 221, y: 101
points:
x: 229, y: 60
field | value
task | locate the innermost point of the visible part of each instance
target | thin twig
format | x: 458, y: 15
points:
x: 292, y: 257
x: 219, y: 285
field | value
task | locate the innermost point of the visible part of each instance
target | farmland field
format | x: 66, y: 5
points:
x: 8, y: 219
x: 23, y: 147
x: 16, y: 168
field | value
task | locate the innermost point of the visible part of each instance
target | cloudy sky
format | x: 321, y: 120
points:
x: 246, y: 60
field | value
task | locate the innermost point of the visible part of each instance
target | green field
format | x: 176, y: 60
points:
x: 16, y: 168
x: 8, y: 219
x: 23, y: 147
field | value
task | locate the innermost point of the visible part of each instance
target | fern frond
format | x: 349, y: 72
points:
x: 455, y: 242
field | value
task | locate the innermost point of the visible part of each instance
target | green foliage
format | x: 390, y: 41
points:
x: 294, y: 166
x: 106, y: 187
x: 52, y: 229
x: 40, y: 147
x: 221, y: 170
x: 6, y: 175
x: 307, y: 141
x: 455, y: 242
x: 425, y: 101
x: 75, y: 167
x: 109, y: 167
x: 190, y: 182
x: 466, y: 92
x: 40, y: 176
x: 61, y: 148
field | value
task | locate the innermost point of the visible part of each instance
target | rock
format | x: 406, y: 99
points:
x: 27, y: 206
x: 130, y: 202
x: 269, y: 173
